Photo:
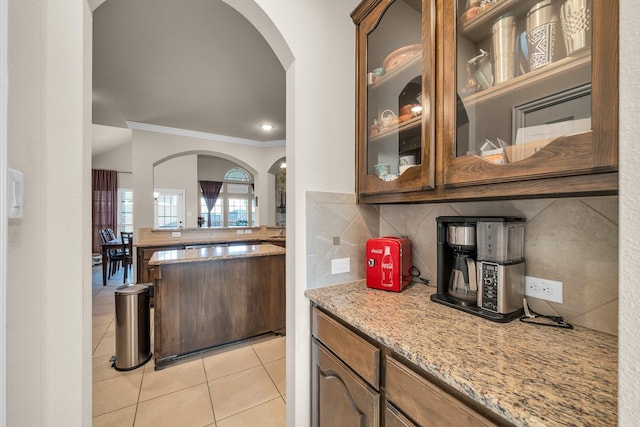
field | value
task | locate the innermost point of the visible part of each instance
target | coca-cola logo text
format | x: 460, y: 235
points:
x: 376, y: 251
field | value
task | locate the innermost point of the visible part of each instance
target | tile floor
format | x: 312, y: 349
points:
x: 242, y: 385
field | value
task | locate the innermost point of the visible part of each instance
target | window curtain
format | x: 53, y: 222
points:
x: 210, y: 192
x: 104, y: 204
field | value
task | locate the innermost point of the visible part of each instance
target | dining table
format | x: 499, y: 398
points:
x: 114, y: 244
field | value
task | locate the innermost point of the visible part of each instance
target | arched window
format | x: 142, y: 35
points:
x: 237, y: 174
x: 236, y: 204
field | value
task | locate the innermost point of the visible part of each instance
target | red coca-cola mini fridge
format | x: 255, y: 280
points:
x: 388, y: 263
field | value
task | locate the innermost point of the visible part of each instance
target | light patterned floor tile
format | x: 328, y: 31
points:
x: 189, y: 407
x: 107, y: 347
x: 270, y: 414
x: 102, y: 319
x: 103, y: 309
x: 121, y: 418
x: 171, y: 379
x: 271, y: 349
x: 98, y: 331
x: 231, y: 361
x: 116, y: 393
x: 240, y: 391
x: 277, y: 372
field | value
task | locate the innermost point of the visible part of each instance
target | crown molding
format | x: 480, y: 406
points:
x: 203, y: 135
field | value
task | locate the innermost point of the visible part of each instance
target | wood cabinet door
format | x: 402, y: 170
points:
x: 519, y: 101
x: 339, y: 397
x: 395, y: 96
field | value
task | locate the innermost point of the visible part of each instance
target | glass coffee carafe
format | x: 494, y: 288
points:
x: 462, y: 282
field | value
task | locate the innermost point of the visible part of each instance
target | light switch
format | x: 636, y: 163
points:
x: 15, y: 195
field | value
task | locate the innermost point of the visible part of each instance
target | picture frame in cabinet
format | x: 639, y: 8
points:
x: 573, y: 104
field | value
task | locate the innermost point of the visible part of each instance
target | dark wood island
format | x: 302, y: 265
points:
x: 208, y: 297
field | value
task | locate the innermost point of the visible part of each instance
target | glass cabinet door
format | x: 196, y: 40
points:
x: 393, y: 105
x: 522, y: 94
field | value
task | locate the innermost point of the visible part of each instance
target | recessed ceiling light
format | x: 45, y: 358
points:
x: 266, y: 126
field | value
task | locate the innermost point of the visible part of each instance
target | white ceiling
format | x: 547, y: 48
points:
x: 188, y: 64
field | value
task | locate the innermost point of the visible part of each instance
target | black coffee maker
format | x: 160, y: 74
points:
x: 462, y: 280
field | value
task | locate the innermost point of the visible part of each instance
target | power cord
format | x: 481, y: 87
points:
x: 543, y: 320
x: 415, y: 274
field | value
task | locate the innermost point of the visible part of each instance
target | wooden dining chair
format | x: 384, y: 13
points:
x: 127, y: 256
x: 115, y: 256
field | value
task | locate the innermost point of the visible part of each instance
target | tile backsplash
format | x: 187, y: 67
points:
x: 572, y: 240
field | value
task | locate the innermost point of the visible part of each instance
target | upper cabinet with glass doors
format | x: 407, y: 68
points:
x: 486, y: 99
x: 395, y: 96
x: 532, y: 92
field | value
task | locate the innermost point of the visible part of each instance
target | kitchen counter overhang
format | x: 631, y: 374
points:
x: 215, y: 253
x: 528, y: 375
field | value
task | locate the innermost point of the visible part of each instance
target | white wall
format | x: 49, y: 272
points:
x: 320, y: 146
x: 151, y: 148
x: 629, y: 290
x: 48, y: 301
x: 117, y: 159
x: 181, y: 173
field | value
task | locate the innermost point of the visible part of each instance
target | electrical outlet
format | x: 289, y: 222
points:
x: 549, y: 290
x: 340, y: 265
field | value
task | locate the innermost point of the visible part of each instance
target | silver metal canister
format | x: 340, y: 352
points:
x: 541, y: 34
x: 504, y: 43
x: 575, y: 18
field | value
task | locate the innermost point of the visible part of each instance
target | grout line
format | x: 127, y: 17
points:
x: 206, y: 377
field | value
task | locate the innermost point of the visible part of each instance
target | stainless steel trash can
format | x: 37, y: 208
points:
x: 133, y: 341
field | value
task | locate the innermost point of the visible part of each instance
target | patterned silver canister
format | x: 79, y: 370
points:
x: 575, y: 17
x: 542, y: 25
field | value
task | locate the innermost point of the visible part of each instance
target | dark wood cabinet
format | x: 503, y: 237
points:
x: 395, y: 92
x: 357, y: 381
x: 145, y: 273
x: 345, y: 376
x: 203, y: 304
x: 540, y: 120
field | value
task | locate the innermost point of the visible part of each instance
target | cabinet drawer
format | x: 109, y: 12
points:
x: 361, y: 356
x: 424, y: 402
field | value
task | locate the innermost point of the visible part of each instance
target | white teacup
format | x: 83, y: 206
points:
x: 407, y: 161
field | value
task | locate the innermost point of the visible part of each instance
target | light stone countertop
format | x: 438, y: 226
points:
x: 529, y: 375
x: 195, y: 240
x: 214, y: 253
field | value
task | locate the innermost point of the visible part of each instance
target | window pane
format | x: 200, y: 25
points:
x: 237, y: 174
x: 253, y: 212
x: 125, y: 213
x: 216, y: 212
x: 167, y: 211
x: 238, y: 188
x: 237, y: 213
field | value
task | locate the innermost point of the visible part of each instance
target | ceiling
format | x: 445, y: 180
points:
x: 196, y: 65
